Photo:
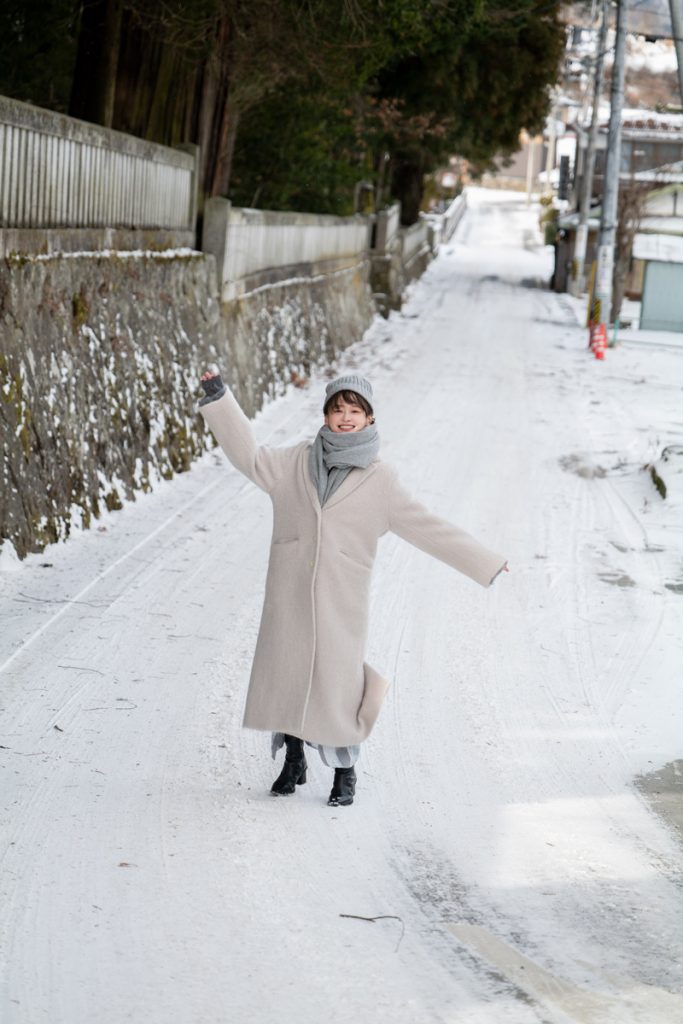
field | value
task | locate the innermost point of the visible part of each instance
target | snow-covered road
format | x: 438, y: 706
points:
x: 147, y: 874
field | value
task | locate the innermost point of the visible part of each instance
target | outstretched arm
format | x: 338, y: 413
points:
x: 232, y: 430
x: 441, y: 539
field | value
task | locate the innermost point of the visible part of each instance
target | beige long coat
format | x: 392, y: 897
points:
x: 309, y: 678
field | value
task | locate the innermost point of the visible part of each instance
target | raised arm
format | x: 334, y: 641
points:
x: 441, y: 539
x: 232, y: 430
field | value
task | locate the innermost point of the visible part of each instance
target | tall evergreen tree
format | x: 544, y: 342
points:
x: 469, y: 90
x: 38, y: 51
x: 467, y: 83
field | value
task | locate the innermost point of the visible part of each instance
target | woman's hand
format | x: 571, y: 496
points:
x: 212, y: 385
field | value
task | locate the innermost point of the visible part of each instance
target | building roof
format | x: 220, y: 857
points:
x: 653, y: 125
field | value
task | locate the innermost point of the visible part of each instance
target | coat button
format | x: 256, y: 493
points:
x: 311, y: 564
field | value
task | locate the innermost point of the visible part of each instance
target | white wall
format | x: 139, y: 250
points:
x: 246, y: 242
x: 58, y: 172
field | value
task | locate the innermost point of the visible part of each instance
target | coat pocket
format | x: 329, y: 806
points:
x: 355, y: 561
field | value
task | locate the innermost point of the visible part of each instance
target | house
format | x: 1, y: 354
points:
x: 651, y: 154
x: 659, y: 238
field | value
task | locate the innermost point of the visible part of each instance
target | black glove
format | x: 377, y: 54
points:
x: 213, y: 386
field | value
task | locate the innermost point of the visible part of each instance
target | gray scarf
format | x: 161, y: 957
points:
x: 334, y: 455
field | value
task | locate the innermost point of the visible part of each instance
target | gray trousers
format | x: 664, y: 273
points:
x: 333, y: 757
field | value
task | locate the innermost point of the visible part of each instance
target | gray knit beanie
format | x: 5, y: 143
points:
x: 350, y: 382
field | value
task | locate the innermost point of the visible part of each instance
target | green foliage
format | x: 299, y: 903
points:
x: 37, y: 51
x: 298, y: 150
x: 79, y: 309
x: 475, y: 84
x: 465, y: 79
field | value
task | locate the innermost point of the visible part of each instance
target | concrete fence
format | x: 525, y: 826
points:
x: 388, y: 224
x: 257, y: 247
x: 60, y: 175
x: 452, y: 217
x: 442, y: 225
x: 414, y: 243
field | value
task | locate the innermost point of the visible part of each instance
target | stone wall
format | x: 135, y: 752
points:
x: 281, y: 328
x: 100, y: 358
x: 98, y: 372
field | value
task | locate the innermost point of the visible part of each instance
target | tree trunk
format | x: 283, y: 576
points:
x: 408, y: 188
x: 225, y: 149
x: 138, y: 61
x: 94, y: 85
x: 208, y: 90
x: 632, y: 203
x: 165, y: 120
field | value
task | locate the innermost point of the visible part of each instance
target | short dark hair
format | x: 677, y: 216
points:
x: 352, y: 398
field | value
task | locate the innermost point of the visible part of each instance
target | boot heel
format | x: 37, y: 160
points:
x: 344, y: 788
x: 302, y: 778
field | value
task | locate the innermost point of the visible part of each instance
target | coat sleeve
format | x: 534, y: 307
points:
x: 439, y: 538
x: 233, y: 431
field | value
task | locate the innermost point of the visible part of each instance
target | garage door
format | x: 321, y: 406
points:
x: 662, y: 308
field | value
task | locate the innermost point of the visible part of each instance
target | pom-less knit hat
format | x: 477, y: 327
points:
x: 351, y: 382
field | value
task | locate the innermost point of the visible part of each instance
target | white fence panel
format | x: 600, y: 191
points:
x: 414, y: 239
x: 246, y: 242
x: 453, y: 216
x: 57, y: 172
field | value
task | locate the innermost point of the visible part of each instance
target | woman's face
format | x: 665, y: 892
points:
x: 343, y: 418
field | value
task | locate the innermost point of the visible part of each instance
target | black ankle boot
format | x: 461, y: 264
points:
x: 293, y: 773
x: 344, y: 787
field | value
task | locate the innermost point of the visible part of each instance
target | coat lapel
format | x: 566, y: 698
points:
x: 355, y: 478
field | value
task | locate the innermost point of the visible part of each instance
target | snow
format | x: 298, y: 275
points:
x: 148, y: 876
x: 658, y: 56
x: 183, y: 252
x: 637, y: 117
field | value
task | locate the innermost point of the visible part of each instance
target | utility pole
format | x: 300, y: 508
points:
x: 578, y: 275
x: 550, y: 152
x: 610, y: 194
x: 531, y: 143
x: 676, y: 8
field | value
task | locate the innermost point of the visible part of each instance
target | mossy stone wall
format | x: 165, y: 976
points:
x: 100, y: 358
x: 98, y: 374
x: 277, y: 332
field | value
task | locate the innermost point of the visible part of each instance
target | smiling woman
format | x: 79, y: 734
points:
x: 332, y: 501
x: 347, y: 411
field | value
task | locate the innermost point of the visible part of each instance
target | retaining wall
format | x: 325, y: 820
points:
x: 99, y: 360
x: 278, y: 331
x: 294, y: 291
x: 400, y: 255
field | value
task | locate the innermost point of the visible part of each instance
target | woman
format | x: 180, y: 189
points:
x: 332, y: 501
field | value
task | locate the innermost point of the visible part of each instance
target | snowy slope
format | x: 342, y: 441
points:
x: 148, y: 876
